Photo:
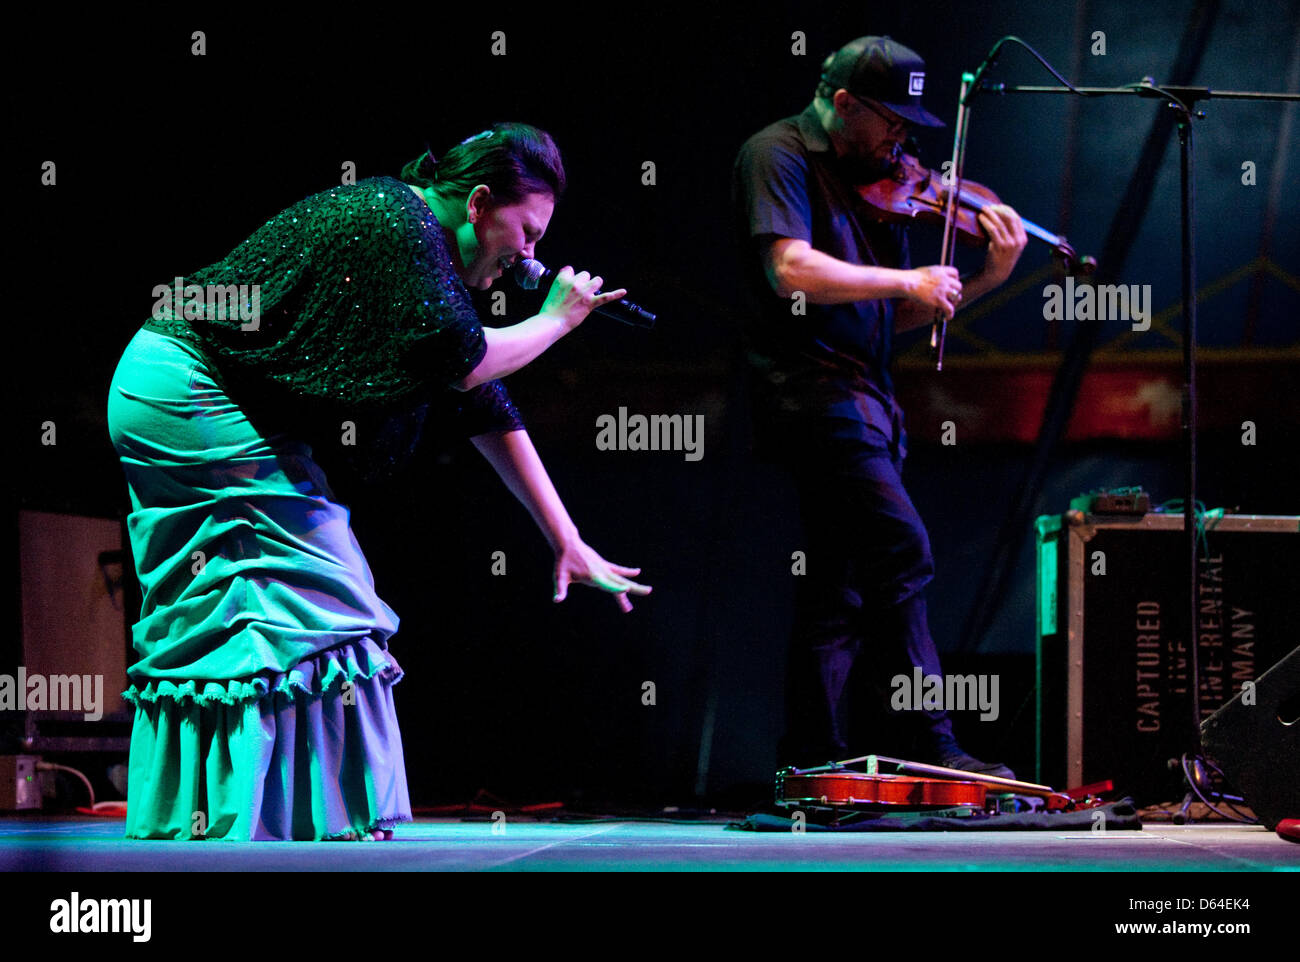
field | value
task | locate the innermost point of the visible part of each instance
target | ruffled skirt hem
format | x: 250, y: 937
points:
x: 319, y: 675
x: 309, y: 754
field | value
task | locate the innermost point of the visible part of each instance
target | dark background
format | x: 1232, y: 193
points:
x: 167, y: 160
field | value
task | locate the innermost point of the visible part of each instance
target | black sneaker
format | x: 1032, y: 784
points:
x: 963, y: 762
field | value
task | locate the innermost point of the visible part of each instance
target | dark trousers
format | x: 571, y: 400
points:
x: 860, y: 617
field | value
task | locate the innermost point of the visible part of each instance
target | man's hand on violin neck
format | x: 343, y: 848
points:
x: 1007, y: 241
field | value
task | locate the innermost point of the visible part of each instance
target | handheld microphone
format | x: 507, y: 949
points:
x: 529, y: 274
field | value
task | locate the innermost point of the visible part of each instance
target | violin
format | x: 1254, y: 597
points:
x: 928, y: 786
x: 854, y: 789
x: 914, y: 193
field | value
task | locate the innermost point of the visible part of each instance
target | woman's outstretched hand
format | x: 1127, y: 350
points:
x: 577, y: 563
x: 512, y: 455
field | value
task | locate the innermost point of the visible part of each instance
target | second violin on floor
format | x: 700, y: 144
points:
x: 917, y: 787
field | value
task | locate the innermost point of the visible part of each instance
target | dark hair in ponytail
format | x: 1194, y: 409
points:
x: 513, y: 160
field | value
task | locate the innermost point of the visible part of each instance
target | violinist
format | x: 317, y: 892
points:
x: 830, y: 287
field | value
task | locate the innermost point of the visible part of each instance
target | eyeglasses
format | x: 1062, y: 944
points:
x: 893, y: 121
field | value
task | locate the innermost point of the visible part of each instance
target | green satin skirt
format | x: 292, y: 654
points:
x: 263, y: 694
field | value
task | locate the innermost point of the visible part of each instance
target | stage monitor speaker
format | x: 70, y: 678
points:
x: 1255, y: 739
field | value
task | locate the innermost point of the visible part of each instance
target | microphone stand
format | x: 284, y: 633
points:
x: 1180, y: 99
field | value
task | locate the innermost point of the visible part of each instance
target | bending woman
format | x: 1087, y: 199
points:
x: 263, y: 701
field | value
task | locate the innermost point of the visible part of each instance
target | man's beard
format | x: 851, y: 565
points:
x: 870, y: 168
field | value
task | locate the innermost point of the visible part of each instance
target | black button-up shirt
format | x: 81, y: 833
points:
x: 824, y: 373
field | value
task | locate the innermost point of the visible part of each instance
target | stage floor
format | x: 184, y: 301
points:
x: 49, y: 843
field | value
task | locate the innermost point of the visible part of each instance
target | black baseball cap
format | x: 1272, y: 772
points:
x: 882, y: 69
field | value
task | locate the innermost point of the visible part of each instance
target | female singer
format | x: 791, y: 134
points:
x: 263, y: 701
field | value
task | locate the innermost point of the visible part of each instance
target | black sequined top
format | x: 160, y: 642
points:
x: 345, y: 304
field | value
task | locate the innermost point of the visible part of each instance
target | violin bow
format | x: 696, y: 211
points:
x: 939, y: 330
